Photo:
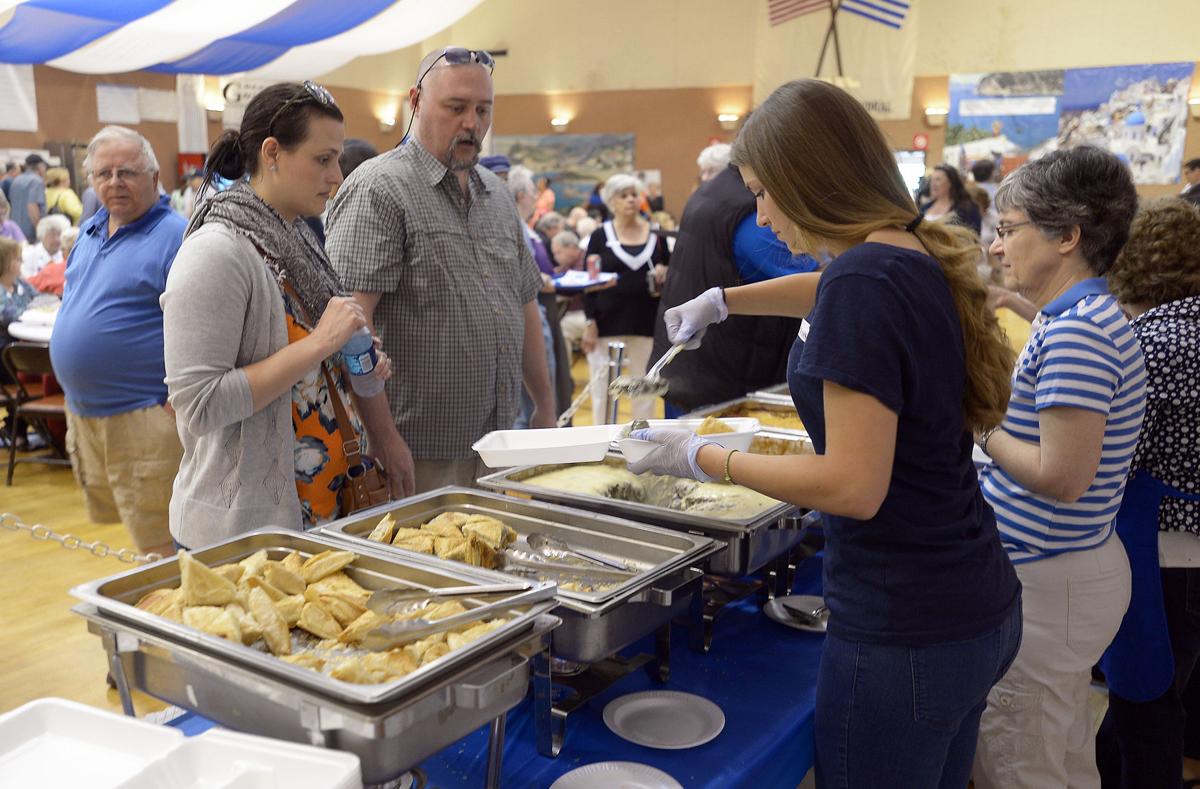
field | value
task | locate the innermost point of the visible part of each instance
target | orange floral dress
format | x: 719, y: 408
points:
x: 319, y: 455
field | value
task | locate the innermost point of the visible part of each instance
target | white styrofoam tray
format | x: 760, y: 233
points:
x: 54, y: 743
x: 505, y: 448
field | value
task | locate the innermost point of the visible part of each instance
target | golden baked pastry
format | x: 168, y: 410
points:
x: 231, y: 571
x: 325, y: 563
x: 213, y: 620
x: 253, y: 564
x: 293, y: 561
x: 458, y: 640
x: 384, y: 530
x: 272, y: 591
x: 480, y: 554
x: 289, y: 608
x: 201, y: 585
x: 251, y: 631
x: 421, y: 543
x: 418, y: 648
x: 454, y: 548
x: 306, y: 660
x: 712, y: 426
x: 434, y: 652
x: 159, y: 600
x: 447, y: 524
x: 357, y: 630
x: 283, y: 579
x: 318, y: 621
x: 394, y: 663
x: 493, y: 532
x: 274, y: 627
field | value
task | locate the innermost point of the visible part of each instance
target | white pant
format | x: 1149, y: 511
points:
x: 637, y: 354
x: 1036, y: 731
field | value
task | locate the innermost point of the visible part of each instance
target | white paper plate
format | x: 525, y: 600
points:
x: 775, y: 611
x: 504, y: 448
x: 616, y: 775
x: 579, y: 280
x: 664, y: 719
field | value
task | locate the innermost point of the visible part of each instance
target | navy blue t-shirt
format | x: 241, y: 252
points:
x: 929, y: 566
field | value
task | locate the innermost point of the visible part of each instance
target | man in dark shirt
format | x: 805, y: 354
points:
x: 11, y: 171
x: 27, y: 195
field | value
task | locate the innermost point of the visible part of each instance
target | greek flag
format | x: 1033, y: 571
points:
x: 885, y: 12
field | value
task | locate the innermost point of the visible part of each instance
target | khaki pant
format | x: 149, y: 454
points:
x: 1036, y: 731
x: 432, y: 474
x: 126, y: 465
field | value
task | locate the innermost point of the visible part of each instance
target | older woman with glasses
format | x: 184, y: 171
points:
x: 1059, y: 461
x: 254, y: 320
x: 1149, y: 665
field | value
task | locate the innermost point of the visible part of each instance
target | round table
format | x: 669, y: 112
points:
x: 30, y: 332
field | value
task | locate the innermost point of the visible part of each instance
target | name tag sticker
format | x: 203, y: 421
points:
x: 804, y: 327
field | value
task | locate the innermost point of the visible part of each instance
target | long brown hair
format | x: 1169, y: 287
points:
x: 827, y: 166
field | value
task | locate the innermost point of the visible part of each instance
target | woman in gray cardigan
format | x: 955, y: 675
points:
x: 254, y: 320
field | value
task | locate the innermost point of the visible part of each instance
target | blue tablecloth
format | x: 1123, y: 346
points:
x: 761, y: 674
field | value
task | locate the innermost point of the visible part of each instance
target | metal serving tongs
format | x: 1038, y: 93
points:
x: 397, y: 600
x: 652, y: 385
x: 554, y: 548
x: 394, y: 634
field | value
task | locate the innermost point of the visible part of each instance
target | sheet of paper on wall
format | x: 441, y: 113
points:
x: 117, y: 104
x: 18, y: 98
x: 157, y: 105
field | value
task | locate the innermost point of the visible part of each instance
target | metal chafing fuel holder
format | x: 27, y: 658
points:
x: 616, y: 360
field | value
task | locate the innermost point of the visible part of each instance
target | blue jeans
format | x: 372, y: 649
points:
x: 526, y: 411
x: 895, y: 716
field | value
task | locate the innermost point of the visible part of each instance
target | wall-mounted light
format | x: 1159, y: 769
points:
x: 560, y: 123
x: 728, y: 120
x: 936, y: 116
x: 387, y: 123
x: 214, y: 106
x: 1194, y: 106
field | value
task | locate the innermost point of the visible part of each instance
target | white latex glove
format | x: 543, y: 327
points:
x: 675, y: 455
x: 691, y: 319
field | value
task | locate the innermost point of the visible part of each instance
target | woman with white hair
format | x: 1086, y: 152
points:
x: 48, y: 248
x: 712, y: 160
x: 629, y: 247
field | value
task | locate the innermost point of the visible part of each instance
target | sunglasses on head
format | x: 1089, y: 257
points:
x: 460, y: 56
x: 312, y: 92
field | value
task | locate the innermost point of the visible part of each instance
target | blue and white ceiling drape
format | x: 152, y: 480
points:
x: 276, y: 39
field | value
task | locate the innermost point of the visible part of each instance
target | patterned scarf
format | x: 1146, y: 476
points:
x: 291, y: 251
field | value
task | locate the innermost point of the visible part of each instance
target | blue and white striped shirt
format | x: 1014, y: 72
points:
x: 1082, y: 354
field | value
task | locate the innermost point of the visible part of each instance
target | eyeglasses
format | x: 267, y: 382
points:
x: 1004, y: 231
x: 123, y: 174
x: 312, y: 92
x: 459, y: 56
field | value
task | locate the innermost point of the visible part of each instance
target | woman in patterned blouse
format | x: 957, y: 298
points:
x: 1157, y: 279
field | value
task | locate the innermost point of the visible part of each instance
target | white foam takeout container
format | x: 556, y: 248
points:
x: 58, y: 743
x: 505, y: 448
x: 744, y: 429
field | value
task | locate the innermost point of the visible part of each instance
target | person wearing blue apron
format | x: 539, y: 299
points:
x: 1148, y: 665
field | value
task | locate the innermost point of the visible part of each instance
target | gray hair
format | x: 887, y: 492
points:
x: 1085, y: 187
x: 565, y: 238
x: 585, y: 227
x: 520, y: 181
x: 619, y: 183
x: 121, y: 134
x: 52, y: 222
x: 549, y: 218
x: 714, y: 158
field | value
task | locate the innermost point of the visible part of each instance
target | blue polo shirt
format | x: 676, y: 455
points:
x: 928, y: 567
x: 107, y: 346
x: 1082, y: 354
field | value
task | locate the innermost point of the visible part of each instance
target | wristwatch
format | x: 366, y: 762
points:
x: 982, y: 443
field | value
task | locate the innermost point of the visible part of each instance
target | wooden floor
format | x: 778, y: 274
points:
x: 48, y: 650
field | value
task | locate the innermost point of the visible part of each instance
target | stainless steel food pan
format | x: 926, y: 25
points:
x: 738, y: 407
x: 117, y: 595
x: 389, y: 737
x: 597, y: 623
x: 750, y: 542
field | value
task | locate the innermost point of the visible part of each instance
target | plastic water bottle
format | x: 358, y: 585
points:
x: 360, y: 358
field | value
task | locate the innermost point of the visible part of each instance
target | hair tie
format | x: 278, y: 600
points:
x: 912, y: 226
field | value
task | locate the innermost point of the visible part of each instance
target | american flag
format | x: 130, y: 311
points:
x: 780, y: 11
x: 885, y: 12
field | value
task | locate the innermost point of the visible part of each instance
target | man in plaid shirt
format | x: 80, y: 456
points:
x: 430, y: 244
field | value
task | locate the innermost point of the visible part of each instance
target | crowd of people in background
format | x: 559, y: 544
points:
x: 229, y: 309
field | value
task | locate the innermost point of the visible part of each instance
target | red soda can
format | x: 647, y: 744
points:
x: 593, y: 266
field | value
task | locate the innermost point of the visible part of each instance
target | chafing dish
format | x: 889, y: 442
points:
x: 597, y: 623
x: 756, y: 402
x: 750, y: 542
x: 777, y: 392
x: 391, y: 726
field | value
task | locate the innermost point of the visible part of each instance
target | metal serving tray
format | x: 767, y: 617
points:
x: 118, y: 594
x: 751, y: 542
x: 389, y: 737
x: 778, y: 391
x: 734, y: 408
x: 595, y: 624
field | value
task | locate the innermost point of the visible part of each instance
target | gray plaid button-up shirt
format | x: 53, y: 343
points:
x: 453, y: 278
